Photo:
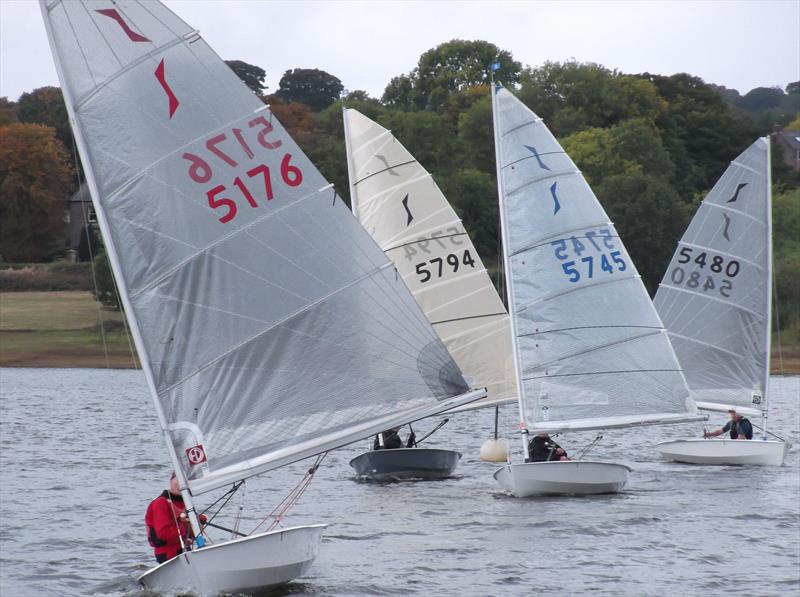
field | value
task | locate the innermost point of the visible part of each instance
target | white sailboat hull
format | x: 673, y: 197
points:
x: 241, y: 565
x: 725, y: 451
x: 576, y: 477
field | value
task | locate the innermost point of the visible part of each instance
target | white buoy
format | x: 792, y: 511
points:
x: 494, y: 450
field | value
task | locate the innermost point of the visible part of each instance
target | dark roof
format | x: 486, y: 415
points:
x: 791, y: 138
x: 81, y: 195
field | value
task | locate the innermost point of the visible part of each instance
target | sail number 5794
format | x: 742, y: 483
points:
x: 436, y: 266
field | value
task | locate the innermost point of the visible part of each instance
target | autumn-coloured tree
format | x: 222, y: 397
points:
x: 33, y: 177
x: 45, y: 105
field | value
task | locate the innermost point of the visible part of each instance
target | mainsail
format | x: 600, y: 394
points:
x: 269, y: 325
x: 715, y: 296
x: 590, y: 348
x: 400, y: 205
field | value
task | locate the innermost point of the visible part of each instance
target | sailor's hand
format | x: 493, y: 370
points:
x: 182, y: 516
x: 706, y: 434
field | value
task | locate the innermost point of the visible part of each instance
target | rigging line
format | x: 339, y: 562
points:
x: 590, y: 327
x: 590, y: 349
x: 568, y: 235
x: 736, y: 211
x: 537, y: 179
x: 290, y: 499
x: 76, y: 37
x: 570, y: 290
x: 91, y: 253
x: 469, y: 317
x: 708, y: 297
x: 707, y: 344
x: 385, y: 194
x: 125, y: 326
x: 230, y: 493
x: 531, y: 156
x: 522, y: 126
x: 603, y: 373
x: 384, y: 170
x: 425, y: 239
x: 777, y: 326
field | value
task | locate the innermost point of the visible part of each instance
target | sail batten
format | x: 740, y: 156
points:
x: 261, y: 310
x: 401, y: 206
x: 590, y: 345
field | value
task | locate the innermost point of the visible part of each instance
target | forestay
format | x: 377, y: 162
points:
x: 591, y: 349
x: 400, y: 205
x: 269, y: 324
x: 715, y: 296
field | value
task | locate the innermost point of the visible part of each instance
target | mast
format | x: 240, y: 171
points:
x: 764, y: 411
x: 116, y: 269
x: 509, y: 282
x: 350, y: 173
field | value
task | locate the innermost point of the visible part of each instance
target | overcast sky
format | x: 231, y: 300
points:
x: 739, y: 44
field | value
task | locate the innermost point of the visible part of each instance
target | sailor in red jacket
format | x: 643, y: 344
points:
x: 168, y: 528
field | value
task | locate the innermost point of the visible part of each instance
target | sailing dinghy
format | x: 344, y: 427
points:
x: 589, y: 348
x: 716, y: 301
x: 400, y: 205
x: 269, y: 325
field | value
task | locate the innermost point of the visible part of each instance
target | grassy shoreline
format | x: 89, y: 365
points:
x: 60, y: 329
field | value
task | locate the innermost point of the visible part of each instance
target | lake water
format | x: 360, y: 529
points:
x: 81, y: 457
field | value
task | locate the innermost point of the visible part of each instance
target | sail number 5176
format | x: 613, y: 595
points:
x: 229, y: 150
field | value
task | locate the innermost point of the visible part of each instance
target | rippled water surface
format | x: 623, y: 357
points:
x: 81, y: 457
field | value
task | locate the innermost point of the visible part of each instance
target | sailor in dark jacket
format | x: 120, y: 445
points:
x: 542, y: 448
x: 392, y: 440
x: 739, y: 427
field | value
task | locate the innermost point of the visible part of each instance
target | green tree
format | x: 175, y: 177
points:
x: 649, y: 216
x: 473, y: 194
x: 399, y: 93
x: 447, y: 69
x: 699, y: 131
x: 426, y: 136
x: 310, y: 86
x: 477, y: 136
x: 104, y: 290
x: 34, y: 179
x: 786, y: 245
x: 253, y: 76
x: 761, y: 98
x: 630, y: 146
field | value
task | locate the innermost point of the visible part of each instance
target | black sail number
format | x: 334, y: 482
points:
x: 441, y: 266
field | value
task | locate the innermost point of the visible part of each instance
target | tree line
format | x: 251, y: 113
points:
x: 651, y: 146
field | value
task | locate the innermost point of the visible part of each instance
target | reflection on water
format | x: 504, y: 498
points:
x: 81, y: 456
